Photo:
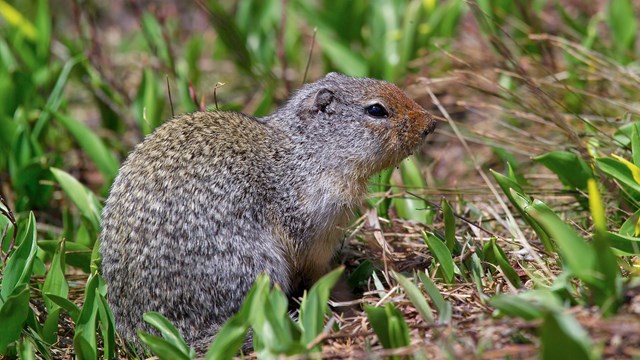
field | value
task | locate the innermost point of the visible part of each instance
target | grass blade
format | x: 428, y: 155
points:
x: 92, y: 145
x: 449, y: 225
x: 162, y: 348
x: 13, y: 314
x: 17, y: 272
x: 442, y: 254
x: 444, y: 307
x: 314, y: 305
x: 562, y: 337
x: 570, y: 168
x: 576, y: 253
x: 80, y: 196
x: 495, y: 255
x: 415, y: 295
x: 167, y: 329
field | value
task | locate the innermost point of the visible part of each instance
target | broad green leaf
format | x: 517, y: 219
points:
x: 623, y: 134
x: 443, y: 307
x: 629, y: 245
x: 77, y: 254
x: 233, y: 333
x: 229, y: 339
x: 596, y: 265
x: 380, y: 183
x: 609, y: 296
x: 570, y: 168
x: 107, y: 327
x: 635, y: 143
x: 606, y: 262
x: 85, y: 349
x: 562, y: 337
x: 398, y: 332
x: 43, y: 24
x: 92, y: 145
x: 621, y: 19
x: 256, y: 299
x: 495, y: 255
x: 51, y: 246
x: 55, y: 97
x: 360, y: 276
x: 378, y: 319
x: 515, y: 306
x: 13, y: 314
x: 442, y: 254
x: 168, y: 330
x: 96, y: 257
x: 156, y: 40
x: 80, y: 195
x: 409, y: 207
x: 17, y: 272
x: 378, y: 284
x: 449, y: 225
x: 529, y: 305
x: 410, y: 23
x: 314, y: 305
x: 84, y: 339
x: 279, y: 334
x: 619, y: 172
x: 389, y: 325
x: 231, y: 37
x: 311, y: 318
x: 149, y: 102
x: 517, y: 197
x: 25, y: 350
x: 343, y: 58
x: 631, y: 226
x: 66, y: 304
x: 55, y: 282
x: 578, y: 256
x: 415, y: 295
x: 50, y: 327
x: 162, y: 348
x: 596, y: 207
x: 635, y: 170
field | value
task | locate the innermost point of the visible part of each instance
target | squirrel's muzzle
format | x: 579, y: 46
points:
x: 431, y: 125
x: 421, y: 125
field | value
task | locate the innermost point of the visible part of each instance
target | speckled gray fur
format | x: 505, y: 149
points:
x: 212, y: 199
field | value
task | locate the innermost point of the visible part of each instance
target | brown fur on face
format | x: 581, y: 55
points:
x: 406, y: 126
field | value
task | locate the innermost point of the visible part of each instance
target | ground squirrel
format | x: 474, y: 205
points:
x: 212, y: 199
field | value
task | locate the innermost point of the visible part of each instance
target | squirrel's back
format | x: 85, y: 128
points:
x: 179, y: 213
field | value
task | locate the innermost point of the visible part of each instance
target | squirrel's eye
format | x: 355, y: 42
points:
x: 377, y: 110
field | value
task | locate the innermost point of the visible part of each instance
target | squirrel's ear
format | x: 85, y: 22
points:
x: 318, y: 101
x: 322, y: 99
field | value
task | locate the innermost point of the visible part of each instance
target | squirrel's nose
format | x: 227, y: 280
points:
x: 431, y: 124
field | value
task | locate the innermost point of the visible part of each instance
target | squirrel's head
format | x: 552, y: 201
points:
x: 368, y: 123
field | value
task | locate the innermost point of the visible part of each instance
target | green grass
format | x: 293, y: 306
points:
x: 521, y: 217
